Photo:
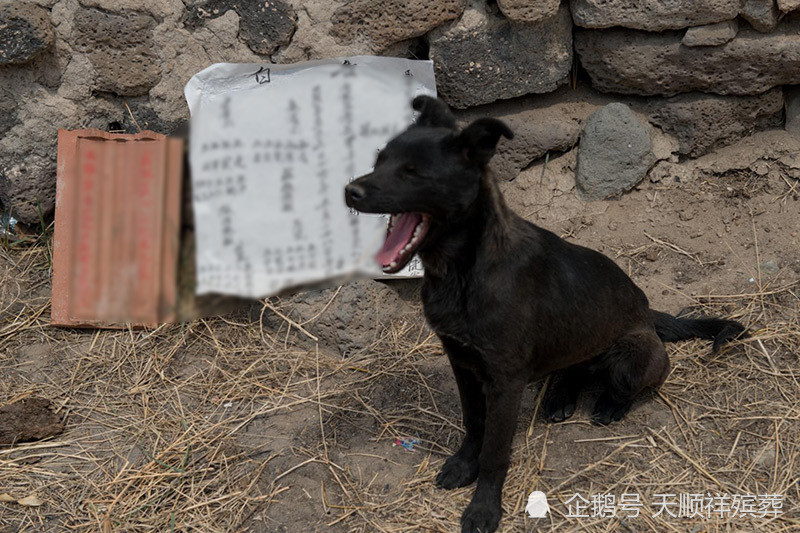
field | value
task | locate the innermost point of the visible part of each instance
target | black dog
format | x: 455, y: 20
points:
x: 511, y: 302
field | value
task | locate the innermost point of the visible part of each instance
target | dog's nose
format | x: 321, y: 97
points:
x: 354, y: 193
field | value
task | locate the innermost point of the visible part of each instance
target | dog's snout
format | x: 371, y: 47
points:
x: 354, y: 193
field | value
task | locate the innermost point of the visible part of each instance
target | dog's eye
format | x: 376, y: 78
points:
x: 411, y: 169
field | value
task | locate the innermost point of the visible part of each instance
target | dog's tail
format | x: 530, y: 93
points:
x: 671, y: 329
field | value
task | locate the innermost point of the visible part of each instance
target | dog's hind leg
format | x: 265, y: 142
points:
x: 461, y: 468
x: 636, y: 361
x: 561, y: 396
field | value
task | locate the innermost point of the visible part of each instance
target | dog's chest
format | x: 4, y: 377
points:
x: 447, y: 311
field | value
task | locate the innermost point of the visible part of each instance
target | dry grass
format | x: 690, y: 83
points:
x: 241, y: 424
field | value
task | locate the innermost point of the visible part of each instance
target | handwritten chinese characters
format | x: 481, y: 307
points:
x: 272, y: 149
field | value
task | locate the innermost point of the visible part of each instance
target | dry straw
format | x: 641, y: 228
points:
x: 245, y: 423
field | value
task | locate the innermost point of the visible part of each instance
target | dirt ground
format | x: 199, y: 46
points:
x: 245, y: 424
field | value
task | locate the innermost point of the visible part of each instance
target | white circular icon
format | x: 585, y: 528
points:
x: 537, y: 504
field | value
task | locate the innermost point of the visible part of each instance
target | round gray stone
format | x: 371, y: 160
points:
x: 615, y: 153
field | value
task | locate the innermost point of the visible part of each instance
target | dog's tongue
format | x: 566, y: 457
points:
x: 401, y: 233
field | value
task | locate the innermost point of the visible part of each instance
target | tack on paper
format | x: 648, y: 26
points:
x: 272, y: 148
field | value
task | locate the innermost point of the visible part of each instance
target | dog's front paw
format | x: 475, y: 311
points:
x: 457, y: 471
x: 481, y: 517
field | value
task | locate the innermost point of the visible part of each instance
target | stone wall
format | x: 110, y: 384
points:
x: 698, y: 74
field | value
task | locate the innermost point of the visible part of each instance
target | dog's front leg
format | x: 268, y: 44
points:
x: 502, y: 407
x: 461, y: 468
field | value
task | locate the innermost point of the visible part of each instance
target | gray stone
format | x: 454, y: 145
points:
x: 528, y: 10
x: 121, y: 49
x: 485, y: 57
x: 769, y: 267
x: 541, y: 124
x: 762, y: 15
x: 791, y: 94
x: 27, y: 187
x: 77, y: 79
x: 157, y: 8
x: 615, y: 153
x: 788, y: 5
x: 8, y: 111
x: 703, y: 122
x: 28, y: 152
x: 694, y: 123
x: 25, y: 32
x: 388, y: 22
x: 711, y: 34
x: 652, y: 15
x: 532, y: 140
x: 634, y: 62
x: 264, y: 26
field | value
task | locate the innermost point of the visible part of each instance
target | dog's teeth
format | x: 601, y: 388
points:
x: 415, y: 237
x: 393, y: 264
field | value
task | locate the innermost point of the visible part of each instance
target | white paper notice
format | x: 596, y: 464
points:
x: 272, y: 148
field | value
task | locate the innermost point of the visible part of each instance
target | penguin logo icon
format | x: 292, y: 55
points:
x: 537, y: 504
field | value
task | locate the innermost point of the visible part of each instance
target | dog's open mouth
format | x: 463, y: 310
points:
x: 404, y: 235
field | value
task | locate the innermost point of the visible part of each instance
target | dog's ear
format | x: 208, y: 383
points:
x: 433, y: 112
x: 479, y: 139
